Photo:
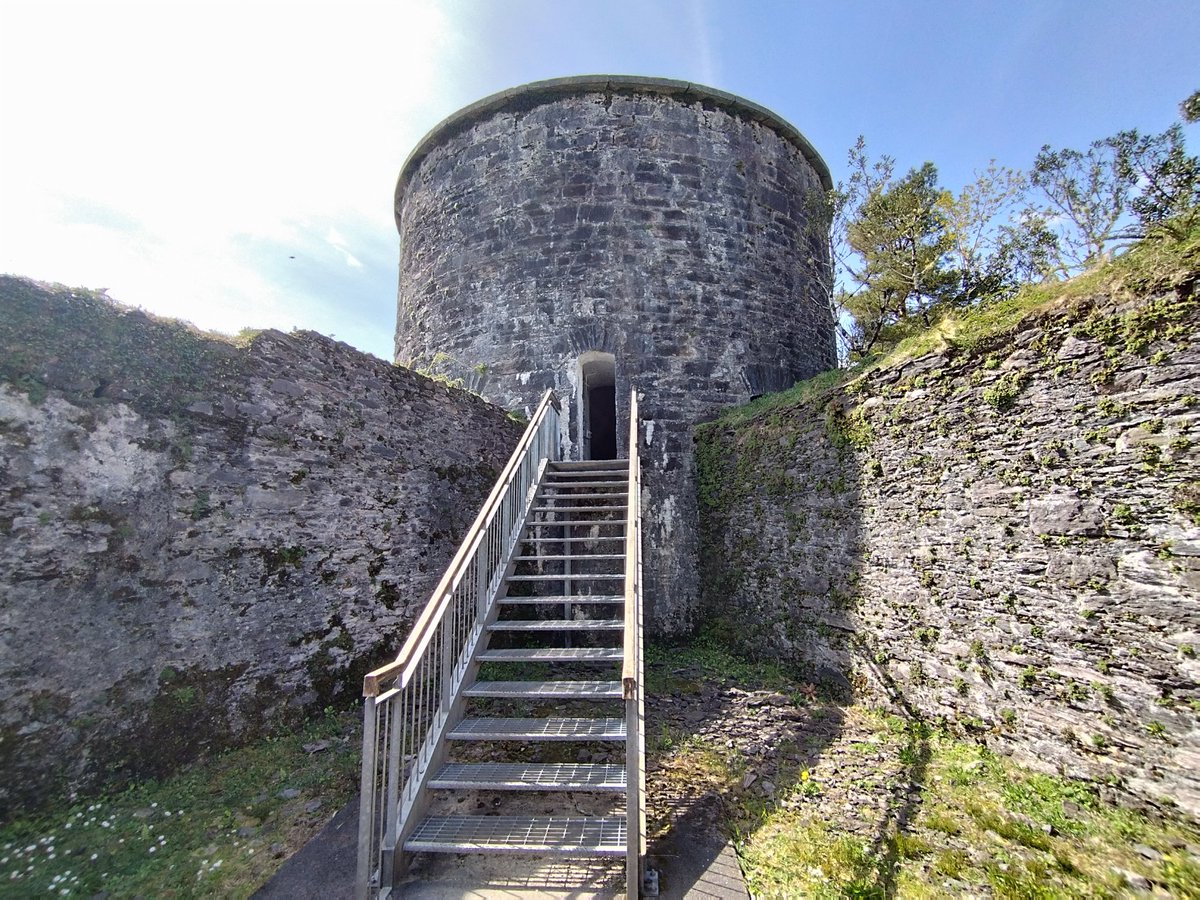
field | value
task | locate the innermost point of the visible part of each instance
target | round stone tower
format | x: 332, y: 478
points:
x: 600, y: 234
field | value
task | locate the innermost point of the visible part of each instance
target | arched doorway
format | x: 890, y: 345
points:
x: 598, y: 404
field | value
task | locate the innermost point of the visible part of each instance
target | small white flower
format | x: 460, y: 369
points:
x: 94, y: 855
x: 152, y: 849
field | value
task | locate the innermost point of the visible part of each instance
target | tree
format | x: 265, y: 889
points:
x: 1168, y: 180
x: 1088, y: 195
x: 899, y: 238
x: 843, y: 203
x: 997, y: 244
x: 1190, y: 108
x: 905, y: 248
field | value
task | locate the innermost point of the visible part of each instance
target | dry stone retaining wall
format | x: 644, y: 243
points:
x: 1009, y: 539
x: 200, y: 542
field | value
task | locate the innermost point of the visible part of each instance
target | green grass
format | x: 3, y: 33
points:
x: 995, y: 828
x: 219, y: 828
x: 705, y: 660
x: 801, y: 392
x: 981, y: 825
x: 1153, y: 265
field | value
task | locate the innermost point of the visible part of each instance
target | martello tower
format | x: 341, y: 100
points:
x: 600, y: 234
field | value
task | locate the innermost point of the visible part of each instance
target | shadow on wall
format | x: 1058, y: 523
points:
x: 1000, y: 539
x: 781, y: 537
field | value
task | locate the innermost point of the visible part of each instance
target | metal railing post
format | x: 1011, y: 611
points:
x: 632, y: 673
x: 366, y: 802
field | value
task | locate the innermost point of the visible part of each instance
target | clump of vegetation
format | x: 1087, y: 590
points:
x: 85, y: 346
x: 911, y: 254
x: 1003, y: 393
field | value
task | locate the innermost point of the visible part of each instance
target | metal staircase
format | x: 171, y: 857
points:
x: 533, y: 636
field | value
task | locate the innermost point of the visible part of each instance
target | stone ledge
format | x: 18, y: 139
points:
x: 537, y: 93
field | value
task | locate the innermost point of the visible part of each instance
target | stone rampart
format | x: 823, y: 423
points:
x: 1006, y: 537
x: 201, y: 542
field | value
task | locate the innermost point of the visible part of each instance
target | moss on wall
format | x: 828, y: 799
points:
x: 995, y: 525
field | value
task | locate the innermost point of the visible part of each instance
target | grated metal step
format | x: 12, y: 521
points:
x: 550, y: 482
x: 578, y: 557
x: 558, y: 625
x: 589, y: 465
x: 554, y: 539
x: 530, y: 777
x: 566, y: 522
x: 607, y: 495
x: 570, y: 576
x: 555, y: 728
x: 599, y: 836
x: 572, y: 598
x: 574, y: 509
x: 555, y: 654
x: 547, y: 690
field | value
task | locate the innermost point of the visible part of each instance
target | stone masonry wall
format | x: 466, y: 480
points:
x: 201, y: 542
x: 678, y: 230
x: 1007, y: 537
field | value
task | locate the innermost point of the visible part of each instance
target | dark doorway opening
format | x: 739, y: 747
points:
x: 598, y: 405
x: 602, y: 417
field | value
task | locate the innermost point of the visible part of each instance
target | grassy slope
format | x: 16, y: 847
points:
x: 219, y: 828
x: 976, y: 824
x: 1150, y: 267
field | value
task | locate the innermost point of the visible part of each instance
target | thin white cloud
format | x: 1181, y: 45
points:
x: 700, y: 19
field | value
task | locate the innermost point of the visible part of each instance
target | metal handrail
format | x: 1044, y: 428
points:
x: 633, y: 672
x: 409, y: 701
x: 422, y: 632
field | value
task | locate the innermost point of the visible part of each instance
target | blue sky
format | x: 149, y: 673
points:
x: 233, y: 163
